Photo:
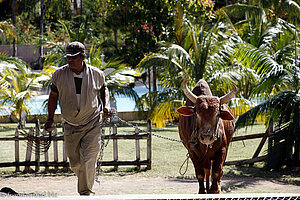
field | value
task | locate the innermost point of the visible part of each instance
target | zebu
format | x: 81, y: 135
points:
x: 208, y: 124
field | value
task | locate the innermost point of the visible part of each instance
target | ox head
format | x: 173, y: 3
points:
x: 209, y: 110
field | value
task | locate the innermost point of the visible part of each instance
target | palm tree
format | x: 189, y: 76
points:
x: 249, y: 24
x: 17, y: 85
x: 269, y: 50
x: 120, y: 77
x: 201, y: 51
x: 279, y: 71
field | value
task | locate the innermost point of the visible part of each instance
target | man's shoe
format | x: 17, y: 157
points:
x: 87, y: 193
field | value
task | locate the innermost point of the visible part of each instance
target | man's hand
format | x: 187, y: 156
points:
x: 106, y: 113
x: 48, y: 125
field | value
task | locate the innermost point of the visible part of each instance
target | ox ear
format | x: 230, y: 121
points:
x: 225, y: 114
x: 186, y: 110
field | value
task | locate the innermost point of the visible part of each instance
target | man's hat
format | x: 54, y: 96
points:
x: 74, y: 48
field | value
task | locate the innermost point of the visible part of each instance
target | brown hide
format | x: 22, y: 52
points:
x: 206, y: 158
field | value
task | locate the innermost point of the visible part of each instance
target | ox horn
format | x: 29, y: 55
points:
x: 230, y: 95
x: 187, y: 92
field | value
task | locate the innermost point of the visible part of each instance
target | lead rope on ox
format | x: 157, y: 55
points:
x: 187, y: 165
x: 187, y: 162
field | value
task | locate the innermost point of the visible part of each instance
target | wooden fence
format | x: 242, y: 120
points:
x: 114, y: 137
x: 35, y: 138
x: 255, y: 157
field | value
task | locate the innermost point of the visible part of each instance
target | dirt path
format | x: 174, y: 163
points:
x: 135, y: 184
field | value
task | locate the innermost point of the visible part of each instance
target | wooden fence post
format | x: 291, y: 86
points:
x: 149, y: 144
x: 137, y: 148
x: 263, y: 140
x: 271, y: 140
x: 37, y: 150
x: 115, y: 146
x: 29, y: 150
x: 36, y: 138
x: 55, y: 149
x: 17, y: 151
x: 46, y: 156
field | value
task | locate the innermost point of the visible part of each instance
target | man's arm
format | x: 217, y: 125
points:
x: 104, y: 95
x: 52, y: 105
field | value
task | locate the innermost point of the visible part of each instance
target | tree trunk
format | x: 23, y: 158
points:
x: 14, y: 7
x: 41, y: 34
x: 296, y: 157
x: 199, y: 71
x: 116, y: 40
x: 154, y: 78
x: 149, y: 85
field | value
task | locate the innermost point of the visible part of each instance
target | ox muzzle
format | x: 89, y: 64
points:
x: 209, y: 136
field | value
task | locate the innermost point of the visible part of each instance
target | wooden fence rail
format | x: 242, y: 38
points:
x: 115, y: 138
x: 255, y: 157
x: 39, y: 138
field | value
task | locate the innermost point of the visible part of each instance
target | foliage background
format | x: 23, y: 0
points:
x: 252, y: 44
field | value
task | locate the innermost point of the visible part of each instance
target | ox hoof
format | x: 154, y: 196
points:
x: 202, y: 192
x: 214, y: 191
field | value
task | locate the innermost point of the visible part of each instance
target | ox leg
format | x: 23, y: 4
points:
x: 200, y: 173
x: 216, y: 181
x: 217, y: 172
x: 207, y: 176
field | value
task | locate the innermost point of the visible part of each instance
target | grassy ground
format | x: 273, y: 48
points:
x: 167, y: 156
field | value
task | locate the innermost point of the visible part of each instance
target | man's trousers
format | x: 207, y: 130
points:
x: 82, y: 148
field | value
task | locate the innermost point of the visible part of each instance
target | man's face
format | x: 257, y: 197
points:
x: 75, y: 62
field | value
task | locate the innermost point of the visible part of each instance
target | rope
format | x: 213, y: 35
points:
x: 187, y: 165
x: 39, y: 144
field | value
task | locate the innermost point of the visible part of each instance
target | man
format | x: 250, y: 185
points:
x: 76, y: 86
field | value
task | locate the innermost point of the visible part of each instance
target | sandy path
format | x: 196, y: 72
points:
x: 135, y: 184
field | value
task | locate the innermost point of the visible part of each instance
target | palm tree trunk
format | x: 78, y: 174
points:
x: 14, y: 7
x: 20, y: 124
x: 149, y: 84
x: 199, y: 71
x: 296, y: 53
x: 154, y: 77
x: 41, y: 34
x: 116, y: 40
x: 297, y: 152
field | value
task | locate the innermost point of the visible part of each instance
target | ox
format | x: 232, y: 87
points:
x: 206, y: 126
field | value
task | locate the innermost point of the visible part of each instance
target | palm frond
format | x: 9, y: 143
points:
x: 281, y: 108
x: 239, y: 10
x: 17, y: 84
x: 250, y: 56
x: 241, y: 105
x: 165, y: 113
